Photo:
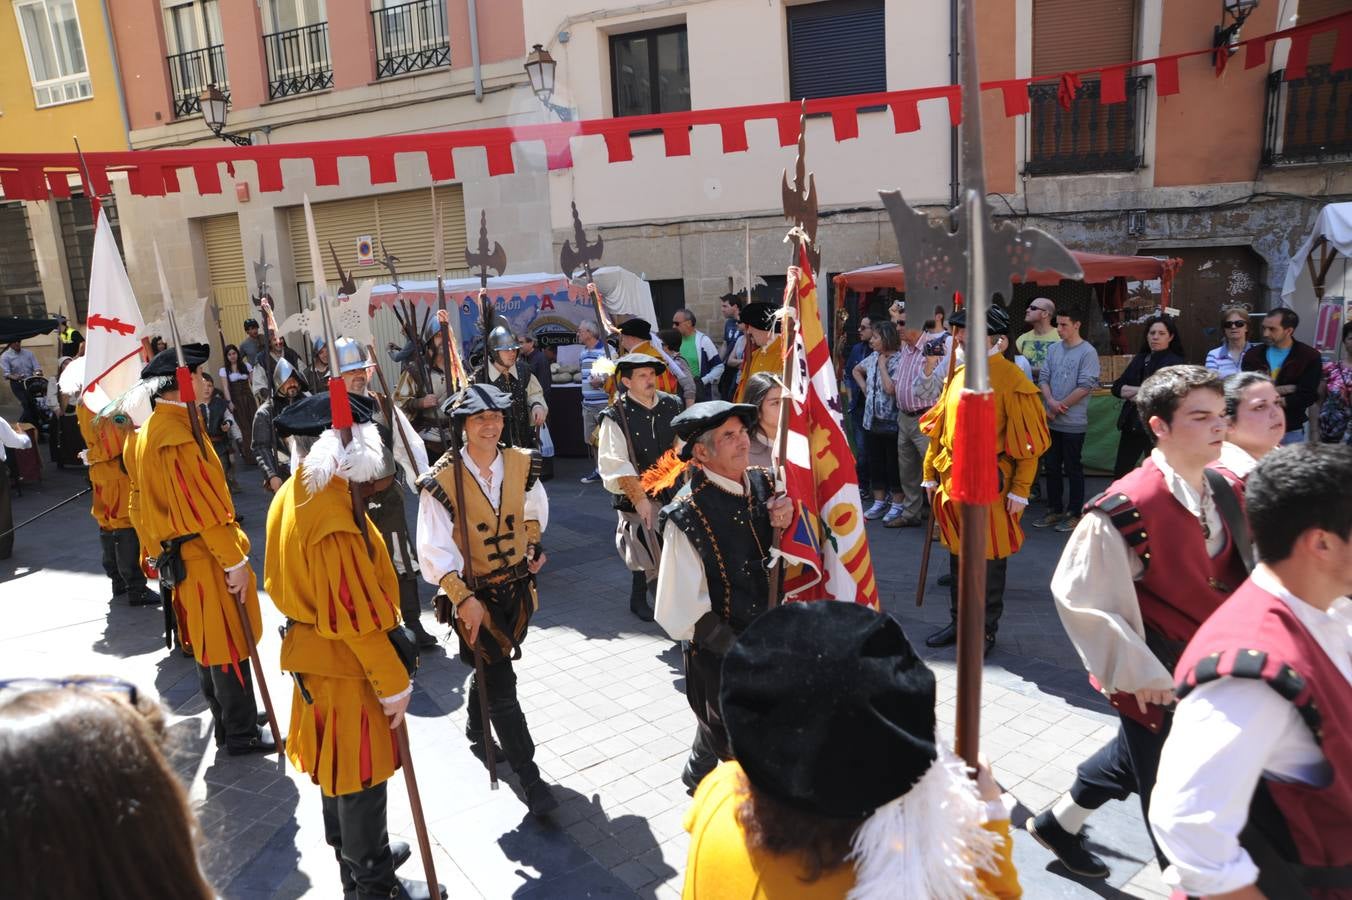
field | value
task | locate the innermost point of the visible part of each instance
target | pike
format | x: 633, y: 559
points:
x: 978, y: 258
x: 340, y: 412
x: 31, y: 519
x: 264, y: 303
x: 188, y: 396
x: 407, y: 319
x: 483, y: 260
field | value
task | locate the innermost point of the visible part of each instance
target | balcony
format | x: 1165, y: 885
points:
x: 1308, y: 120
x: 189, y: 75
x: 410, y: 37
x: 1089, y: 136
x: 298, y: 60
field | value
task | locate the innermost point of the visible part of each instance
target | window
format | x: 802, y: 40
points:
x: 55, y: 51
x: 20, y: 285
x: 77, y: 237
x: 287, y: 14
x: 196, y: 53
x: 836, y: 48
x: 650, y: 72
x: 410, y: 37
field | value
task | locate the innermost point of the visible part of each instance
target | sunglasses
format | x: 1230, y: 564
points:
x: 114, y: 686
x: 1236, y: 324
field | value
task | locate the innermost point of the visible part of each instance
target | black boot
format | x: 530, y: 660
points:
x: 411, y: 609
x: 638, y: 598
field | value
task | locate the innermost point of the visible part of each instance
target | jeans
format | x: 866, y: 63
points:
x: 1063, y: 458
x: 1131, y: 446
x: 860, y: 436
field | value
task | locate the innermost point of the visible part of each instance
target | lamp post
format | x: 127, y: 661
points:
x: 1225, y: 37
x: 214, y: 104
x: 540, y: 67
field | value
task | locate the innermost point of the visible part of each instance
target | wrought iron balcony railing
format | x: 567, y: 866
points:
x: 411, y: 37
x: 1090, y: 136
x: 298, y: 60
x: 1308, y: 119
x: 189, y: 75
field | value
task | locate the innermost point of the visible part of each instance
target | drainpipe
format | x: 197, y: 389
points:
x: 474, y: 51
x: 953, y: 185
x: 117, y: 70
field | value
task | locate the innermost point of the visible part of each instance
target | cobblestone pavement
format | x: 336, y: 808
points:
x: 604, y: 697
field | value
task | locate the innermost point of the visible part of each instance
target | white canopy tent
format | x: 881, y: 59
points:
x: 1318, y: 283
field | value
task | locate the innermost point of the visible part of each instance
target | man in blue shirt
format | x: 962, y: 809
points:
x: 1295, y: 368
x: 857, y: 354
x: 594, y: 396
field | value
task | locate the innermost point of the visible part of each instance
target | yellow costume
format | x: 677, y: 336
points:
x: 665, y: 382
x: 104, y: 441
x: 769, y: 358
x: 178, y: 489
x: 340, y: 600
x: 722, y: 866
x: 1021, y: 437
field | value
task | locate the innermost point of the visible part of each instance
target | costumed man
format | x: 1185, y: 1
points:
x: 513, y: 376
x: 1152, y: 558
x: 421, y: 392
x: 385, y: 503
x: 317, y: 376
x: 104, y: 438
x: 481, y: 514
x: 635, y: 431
x: 765, y: 347
x: 636, y: 336
x: 351, y: 662
x: 714, y: 576
x: 1254, y: 797
x: 273, y: 461
x: 1021, y: 438
x: 181, y: 508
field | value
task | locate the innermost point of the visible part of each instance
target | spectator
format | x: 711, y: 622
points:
x: 857, y: 437
x: 896, y: 313
x: 1160, y: 348
x: 71, y: 341
x: 538, y: 359
x: 15, y: 440
x: 1069, y: 372
x: 940, y: 320
x: 252, y: 345
x: 1293, y: 366
x: 918, y: 385
x: 1225, y: 359
x: 1335, y: 414
x: 730, y: 305
x: 840, y: 784
x: 877, y: 376
x: 92, y: 807
x: 19, y: 365
x: 1034, y: 343
x: 1255, y: 425
x: 235, y: 376
x: 765, y: 391
x: 594, y: 396
x: 680, y: 367
x: 699, y: 353
x: 157, y: 345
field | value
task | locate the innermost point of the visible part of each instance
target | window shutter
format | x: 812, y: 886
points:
x: 339, y: 221
x: 836, y: 48
x: 225, y: 254
x: 1069, y: 35
x: 1321, y: 45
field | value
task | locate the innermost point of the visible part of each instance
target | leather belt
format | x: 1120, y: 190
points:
x: 917, y: 414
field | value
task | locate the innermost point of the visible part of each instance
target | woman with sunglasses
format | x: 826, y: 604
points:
x: 1224, y: 359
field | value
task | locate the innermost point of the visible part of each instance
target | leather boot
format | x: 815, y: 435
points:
x: 638, y: 598
x: 411, y: 609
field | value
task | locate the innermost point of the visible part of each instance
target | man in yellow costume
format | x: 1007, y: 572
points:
x: 636, y: 336
x: 765, y: 348
x: 348, y: 654
x: 1021, y: 437
x: 486, y: 502
x: 182, y: 511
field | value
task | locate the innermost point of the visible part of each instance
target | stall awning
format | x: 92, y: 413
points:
x: 1099, y: 268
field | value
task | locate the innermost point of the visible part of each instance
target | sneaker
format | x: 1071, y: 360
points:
x: 594, y: 477
x: 1050, y: 519
x: 877, y: 510
x: 894, y: 515
x: 1068, y: 848
x: 1068, y: 524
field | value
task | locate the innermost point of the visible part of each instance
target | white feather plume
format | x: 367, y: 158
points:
x: 929, y: 842
x: 359, y: 461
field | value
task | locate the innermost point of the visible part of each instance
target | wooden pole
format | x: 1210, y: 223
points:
x: 415, y: 805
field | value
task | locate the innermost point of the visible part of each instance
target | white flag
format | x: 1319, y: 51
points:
x: 114, y: 324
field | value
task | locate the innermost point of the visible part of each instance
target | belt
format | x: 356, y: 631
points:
x: 916, y: 414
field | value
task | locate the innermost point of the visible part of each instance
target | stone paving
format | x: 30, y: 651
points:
x: 604, y: 697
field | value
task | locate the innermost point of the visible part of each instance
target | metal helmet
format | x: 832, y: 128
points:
x: 283, y: 371
x: 501, y: 338
x: 351, y: 355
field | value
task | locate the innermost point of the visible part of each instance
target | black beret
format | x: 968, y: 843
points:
x: 475, y: 399
x: 631, y: 361
x: 997, y: 319
x: 828, y: 708
x: 166, y: 361
x: 758, y: 315
x: 311, y: 415
x: 639, y: 328
x: 701, y: 417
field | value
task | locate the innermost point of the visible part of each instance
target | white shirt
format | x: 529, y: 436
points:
x: 1226, y: 735
x: 1237, y: 460
x: 612, y: 451
x: 1096, y: 598
x: 11, y: 438
x: 682, y: 588
x: 438, y: 554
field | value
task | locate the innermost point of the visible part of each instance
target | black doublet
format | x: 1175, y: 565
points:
x: 732, y: 535
x: 650, y: 433
x: 518, y: 430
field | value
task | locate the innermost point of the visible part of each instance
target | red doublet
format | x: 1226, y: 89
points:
x: 1256, y: 635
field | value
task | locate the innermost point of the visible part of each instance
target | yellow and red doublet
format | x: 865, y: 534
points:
x: 769, y: 358
x: 666, y: 382
x: 104, y: 440
x: 178, y: 489
x: 1021, y: 437
x: 341, y: 601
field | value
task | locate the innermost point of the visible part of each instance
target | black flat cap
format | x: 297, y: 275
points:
x: 695, y: 421
x: 631, y: 361
x: 997, y: 319
x: 758, y: 315
x: 828, y: 708
x: 639, y: 328
x: 166, y: 361
x: 311, y: 416
x: 475, y: 399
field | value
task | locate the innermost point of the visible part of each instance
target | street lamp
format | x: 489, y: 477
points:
x: 214, y: 103
x: 540, y: 68
x: 1225, y: 37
